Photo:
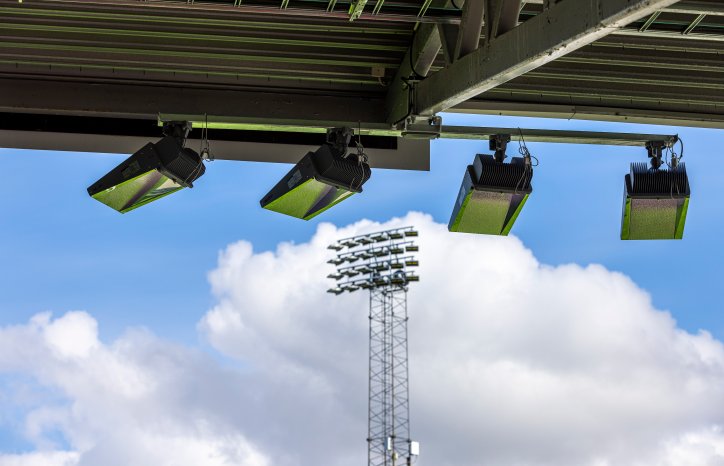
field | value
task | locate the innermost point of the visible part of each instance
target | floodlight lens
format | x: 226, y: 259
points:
x: 153, y: 172
x: 492, y: 196
x: 655, y: 203
x: 319, y: 181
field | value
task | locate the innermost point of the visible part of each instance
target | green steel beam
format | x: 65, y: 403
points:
x: 650, y: 21
x: 447, y: 132
x: 559, y: 30
x: 201, y: 72
x: 188, y: 20
x: 190, y: 54
x: 694, y: 24
x: 95, y: 32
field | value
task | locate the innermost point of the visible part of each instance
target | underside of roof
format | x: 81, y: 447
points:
x: 115, y: 66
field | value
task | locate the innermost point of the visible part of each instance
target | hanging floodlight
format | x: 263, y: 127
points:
x: 321, y: 179
x: 656, y: 199
x: 153, y: 172
x: 492, y: 193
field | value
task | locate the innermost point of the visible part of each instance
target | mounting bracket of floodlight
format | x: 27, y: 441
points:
x: 421, y: 127
x: 655, y: 150
x: 177, y: 129
x: 499, y: 144
x: 339, y: 139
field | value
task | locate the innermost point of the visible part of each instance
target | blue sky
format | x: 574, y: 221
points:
x: 61, y: 384
x: 62, y: 250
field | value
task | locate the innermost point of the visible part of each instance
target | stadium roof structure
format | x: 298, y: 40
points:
x: 99, y: 75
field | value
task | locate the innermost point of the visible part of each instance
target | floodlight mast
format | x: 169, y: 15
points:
x: 382, y: 263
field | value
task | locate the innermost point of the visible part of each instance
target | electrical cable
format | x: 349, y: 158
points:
x: 523, y: 150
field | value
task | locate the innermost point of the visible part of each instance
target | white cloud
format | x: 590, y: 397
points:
x: 55, y: 458
x: 512, y: 363
x: 137, y: 401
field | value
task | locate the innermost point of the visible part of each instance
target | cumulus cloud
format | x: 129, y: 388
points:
x: 137, y: 401
x: 513, y: 363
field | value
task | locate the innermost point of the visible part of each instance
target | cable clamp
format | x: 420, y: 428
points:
x: 421, y: 127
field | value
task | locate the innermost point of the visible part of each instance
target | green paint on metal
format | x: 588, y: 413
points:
x: 610, y: 78
x: 626, y: 220
x: 188, y: 20
x: 327, y: 76
x: 609, y: 60
x: 515, y: 215
x: 356, y: 8
x: 199, y: 37
x: 455, y: 226
x: 309, y: 199
x: 191, y: 72
x: 190, y: 54
x: 620, y: 96
x: 138, y: 191
x: 681, y: 221
x: 243, y: 124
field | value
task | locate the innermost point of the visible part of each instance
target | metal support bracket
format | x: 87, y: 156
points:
x: 177, y: 129
x: 431, y: 127
x: 499, y: 144
x: 655, y: 150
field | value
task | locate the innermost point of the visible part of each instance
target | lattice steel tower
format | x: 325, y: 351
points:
x: 381, y: 263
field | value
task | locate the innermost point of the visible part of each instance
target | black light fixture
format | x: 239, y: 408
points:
x: 156, y: 170
x: 656, y: 199
x: 321, y: 179
x: 493, y: 193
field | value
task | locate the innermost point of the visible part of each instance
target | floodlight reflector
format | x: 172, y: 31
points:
x: 153, y: 172
x: 655, y: 203
x: 492, y: 196
x: 319, y: 181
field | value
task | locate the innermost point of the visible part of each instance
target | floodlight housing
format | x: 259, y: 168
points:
x: 492, y: 196
x: 156, y: 170
x: 320, y: 180
x: 655, y: 203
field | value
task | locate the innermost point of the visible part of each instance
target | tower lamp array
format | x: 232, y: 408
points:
x: 383, y: 263
x: 492, y: 195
